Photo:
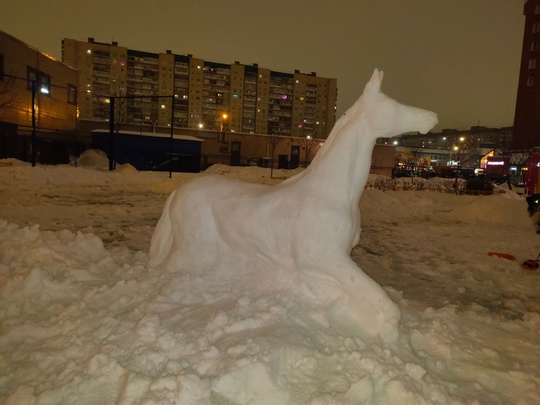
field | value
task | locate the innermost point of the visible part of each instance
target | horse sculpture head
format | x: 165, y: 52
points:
x: 387, y: 117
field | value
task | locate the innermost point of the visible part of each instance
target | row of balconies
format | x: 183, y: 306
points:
x: 179, y: 78
x: 180, y: 113
x: 101, y: 89
x: 281, y: 86
x: 183, y: 70
x: 100, y: 80
x: 138, y: 92
x: 220, y: 83
x: 215, y: 77
x: 100, y: 60
x: 151, y: 61
x: 101, y: 68
x: 287, y: 114
x: 208, y: 107
x: 143, y: 68
x: 100, y: 76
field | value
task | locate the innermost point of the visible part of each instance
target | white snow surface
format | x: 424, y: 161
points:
x: 83, y: 320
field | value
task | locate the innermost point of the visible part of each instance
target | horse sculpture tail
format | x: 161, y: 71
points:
x: 162, y: 239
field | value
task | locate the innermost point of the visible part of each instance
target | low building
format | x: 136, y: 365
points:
x: 55, y: 95
x: 38, y: 103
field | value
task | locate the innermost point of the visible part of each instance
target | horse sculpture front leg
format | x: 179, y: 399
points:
x: 354, y: 304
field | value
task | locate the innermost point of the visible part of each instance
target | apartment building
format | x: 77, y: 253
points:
x: 527, y: 114
x: 190, y: 92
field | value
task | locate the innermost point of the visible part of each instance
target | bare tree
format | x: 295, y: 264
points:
x: 461, y: 153
x: 520, y: 158
x: 121, y: 114
x: 275, y: 140
x: 309, y: 144
x: 9, y: 94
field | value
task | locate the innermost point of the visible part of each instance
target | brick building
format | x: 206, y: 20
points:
x: 527, y: 115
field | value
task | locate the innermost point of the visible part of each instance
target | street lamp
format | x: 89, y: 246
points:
x: 224, y: 116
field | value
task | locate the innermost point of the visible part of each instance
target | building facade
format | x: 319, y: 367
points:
x: 451, y: 147
x: 55, y: 88
x: 193, y: 93
x: 527, y: 114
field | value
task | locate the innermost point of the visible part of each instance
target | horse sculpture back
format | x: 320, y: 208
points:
x: 307, y: 224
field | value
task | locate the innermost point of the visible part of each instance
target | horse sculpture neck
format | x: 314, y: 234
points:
x: 343, y: 163
x: 341, y: 167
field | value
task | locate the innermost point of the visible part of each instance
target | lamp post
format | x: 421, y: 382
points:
x: 224, y: 117
x: 221, y: 136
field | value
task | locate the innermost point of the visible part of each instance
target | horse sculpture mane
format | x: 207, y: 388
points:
x: 307, y: 224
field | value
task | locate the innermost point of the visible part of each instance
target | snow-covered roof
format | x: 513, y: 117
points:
x: 154, y: 134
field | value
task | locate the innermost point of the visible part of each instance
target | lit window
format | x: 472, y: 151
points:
x: 532, y: 63
x: 536, y: 27
x: 537, y: 9
x: 44, y: 83
x: 41, y: 80
x: 530, y: 81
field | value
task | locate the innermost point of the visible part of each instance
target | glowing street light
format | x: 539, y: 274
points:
x: 224, y: 117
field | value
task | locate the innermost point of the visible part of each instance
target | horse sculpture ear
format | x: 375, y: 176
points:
x: 374, y: 84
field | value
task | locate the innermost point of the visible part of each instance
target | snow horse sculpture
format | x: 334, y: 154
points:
x: 309, y: 222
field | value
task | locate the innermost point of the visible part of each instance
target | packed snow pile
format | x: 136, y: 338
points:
x: 84, y: 321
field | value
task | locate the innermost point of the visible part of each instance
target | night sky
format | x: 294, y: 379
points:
x: 459, y: 58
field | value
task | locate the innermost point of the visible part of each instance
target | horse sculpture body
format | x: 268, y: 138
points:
x: 309, y: 222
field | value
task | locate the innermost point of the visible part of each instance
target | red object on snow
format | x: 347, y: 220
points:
x: 530, y: 264
x: 501, y: 255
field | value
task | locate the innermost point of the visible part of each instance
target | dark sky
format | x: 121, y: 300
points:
x: 459, y: 58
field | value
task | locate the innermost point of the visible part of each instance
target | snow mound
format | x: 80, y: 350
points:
x: 83, y: 319
x: 93, y: 158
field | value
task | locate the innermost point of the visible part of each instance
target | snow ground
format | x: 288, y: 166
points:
x: 83, y: 320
